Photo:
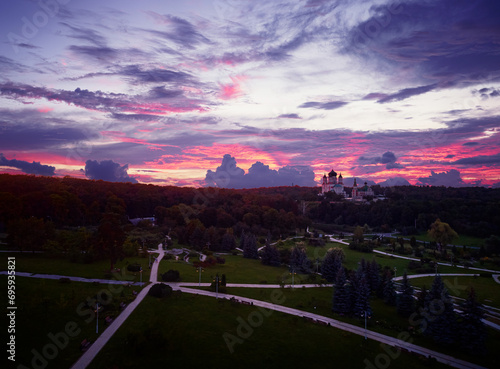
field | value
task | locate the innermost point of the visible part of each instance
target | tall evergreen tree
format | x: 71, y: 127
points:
x: 472, y: 331
x: 405, y: 301
x: 228, y: 242
x: 250, y: 247
x: 440, y: 316
x: 271, y: 255
x: 373, y: 275
x: 332, y: 263
x: 341, y: 294
x: 361, y: 295
x: 389, y: 290
x: 299, y: 263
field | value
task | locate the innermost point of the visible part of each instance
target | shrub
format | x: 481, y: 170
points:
x: 160, y: 290
x: 136, y: 267
x: 221, y: 260
x: 171, y: 276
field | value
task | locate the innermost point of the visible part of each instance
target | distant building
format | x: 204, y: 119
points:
x: 335, y: 184
x: 361, y: 193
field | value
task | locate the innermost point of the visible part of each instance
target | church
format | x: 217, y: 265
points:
x: 335, y: 184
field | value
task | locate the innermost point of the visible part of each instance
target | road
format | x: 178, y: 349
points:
x: 99, y: 343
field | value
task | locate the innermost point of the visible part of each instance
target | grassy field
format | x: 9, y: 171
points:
x: 42, y: 264
x: 384, y: 320
x: 487, y: 290
x: 461, y: 240
x: 46, y: 306
x: 177, y: 333
x: 237, y: 270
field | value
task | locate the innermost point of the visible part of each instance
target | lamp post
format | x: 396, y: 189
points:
x: 293, y: 281
x: 395, y: 270
x: 97, y: 320
x: 365, y: 325
x: 140, y: 273
x: 200, y: 269
x: 217, y: 286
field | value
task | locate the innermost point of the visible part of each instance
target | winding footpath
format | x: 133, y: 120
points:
x: 99, y: 343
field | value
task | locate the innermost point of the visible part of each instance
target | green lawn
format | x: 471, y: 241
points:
x: 46, y: 306
x: 462, y: 240
x: 187, y: 331
x: 237, y: 270
x: 43, y: 264
x: 384, y: 320
x: 487, y: 290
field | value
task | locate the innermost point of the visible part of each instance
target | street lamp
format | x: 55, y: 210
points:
x: 365, y: 314
x: 216, y: 286
x: 200, y: 269
x: 97, y: 320
x: 293, y: 281
x: 140, y: 273
x: 395, y: 270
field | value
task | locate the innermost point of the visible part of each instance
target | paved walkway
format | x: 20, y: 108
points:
x: 75, y: 279
x: 391, y: 341
x: 99, y: 343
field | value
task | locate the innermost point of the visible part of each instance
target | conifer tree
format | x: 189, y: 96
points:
x: 299, y: 263
x: 332, y: 263
x: 270, y: 255
x: 440, y: 316
x: 389, y: 290
x: 250, y: 247
x: 361, y: 295
x: 405, y: 301
x: 472, y: 331
x: 341, y: 303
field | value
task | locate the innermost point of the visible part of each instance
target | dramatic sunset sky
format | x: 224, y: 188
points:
x: 271, y: 92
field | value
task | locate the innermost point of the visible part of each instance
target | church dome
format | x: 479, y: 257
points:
x: 332, y: 174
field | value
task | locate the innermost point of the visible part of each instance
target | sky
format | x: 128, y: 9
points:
x: 251, y: 93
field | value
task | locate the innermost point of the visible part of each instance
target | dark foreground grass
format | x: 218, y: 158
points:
x: 487, y: 290
x: 384, y: 319
x: 45, y: 264
x: 187, y: 331
x: 47, y: 306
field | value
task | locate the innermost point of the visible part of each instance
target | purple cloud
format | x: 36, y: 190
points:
x: 27, y: 167
x: 107, y: 170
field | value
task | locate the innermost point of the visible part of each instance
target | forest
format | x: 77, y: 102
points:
x: 86, y: 218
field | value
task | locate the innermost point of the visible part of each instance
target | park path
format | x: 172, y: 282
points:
x: 383, y: 339
x: 415, y: 259
x: 75, y: 279
x: 99, y: 343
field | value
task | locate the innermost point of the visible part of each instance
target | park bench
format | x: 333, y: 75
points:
x: 85, y: 344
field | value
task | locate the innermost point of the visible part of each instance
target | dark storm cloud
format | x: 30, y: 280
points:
x: 99, y: 53
x: 406, y: 93
x: 97, y: 100
x: 290, y: 116
x: 229, y: 175
x: 388, y: 158
x: 107, y: 170
x: 27, y: 167
x: 449, y: 41
x: 480, y: 160
x: 178, y: 30
x: 450, y: 178
x: 487, y: 92
x: 331, y: 105
x: 28, y: 129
